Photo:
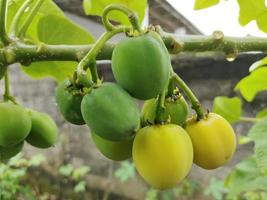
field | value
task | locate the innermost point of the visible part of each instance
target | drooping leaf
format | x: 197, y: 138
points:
x: 96, y: 7
x: 258, y: 134
x: 125, y: 172
x: 262, y: 113
x: 229, y: 108
x: 253, y: 10
x: 80, y: 187
x: 200, y: 4
x: 252, y: 84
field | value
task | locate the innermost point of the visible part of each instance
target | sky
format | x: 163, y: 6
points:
x: 223, y: 16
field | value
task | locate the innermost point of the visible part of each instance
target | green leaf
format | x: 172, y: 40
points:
x: 37, y: 160
x: 244, y: 140
x: 200, y: 4
x: 125, y: 172
x: 80, y: 187
x: 258, y: 133
x: 151, y: 194
x: 215, y: 189
x: 66, y: 170
x: 252, y: 84
x: 262, y: 113
x: 253, y: 10
x: 229, y: 108
x: 96, y: 7
x: 258, y: 64
x: 80, y: 172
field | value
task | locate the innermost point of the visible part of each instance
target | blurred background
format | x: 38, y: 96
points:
x: 75, y: 169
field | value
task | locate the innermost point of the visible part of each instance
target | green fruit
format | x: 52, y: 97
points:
x: 9, y: 152
x: 117, y: 151
x: 44, y: 130
x: 141, y: 65
x: 15, y: 124
x: 111, y: 112
x: 69, y: 103
x: 176, y: 111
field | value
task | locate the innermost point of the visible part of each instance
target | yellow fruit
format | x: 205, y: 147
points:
x: 163, y: 154
x: 213, y: 139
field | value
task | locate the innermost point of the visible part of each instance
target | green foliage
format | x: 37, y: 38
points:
x: 229, y: 108
x: 200, y: 4
x: 215, y: 189
x: 258, y: 134
x: 96, y: 7
x: 125, y: 171
x: 48, y: 18
x: 151, y: 194
x: 258, y: 64
x: 13, y: 173
x: 262, y: 113
x: 252, y: 84
x: 253, y: 10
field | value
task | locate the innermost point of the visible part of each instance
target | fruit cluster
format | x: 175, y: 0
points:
x: 18, y: 124
x: 162, y: 142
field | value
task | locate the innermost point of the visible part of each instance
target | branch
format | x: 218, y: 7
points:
x: 23, y: 53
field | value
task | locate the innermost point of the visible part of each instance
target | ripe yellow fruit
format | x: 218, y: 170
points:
x: 213, y: 139
x: 163, y: 154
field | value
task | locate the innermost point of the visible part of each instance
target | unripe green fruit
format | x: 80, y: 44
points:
x: 111, y: 112
x: 9, y: 152
x: 44, y: 131
x: 176, y: 111
x: 69, y: 104
x: 117, y: 151
x: 141, y: 65
x: 15, y: 124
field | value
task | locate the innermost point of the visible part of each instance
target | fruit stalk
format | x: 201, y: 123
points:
x: 193, y: 99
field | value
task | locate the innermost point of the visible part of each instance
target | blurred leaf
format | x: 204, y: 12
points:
x: 259, y: 135
x: 37, y: 160
x: 80, y: 172
x: 96, y: 7
x: 215, y: 189
x: 64, y: 32
x: 66, y: 170
x: 262, y: 113
x: 167, y: 194
x: 258, y: 64
x: 200, y: 4
x: 80, y: 187
x: 253, y: 10
x: 229, y: 108
x: 252, y: 84
x: 125, y: 172
x: 152, y: 194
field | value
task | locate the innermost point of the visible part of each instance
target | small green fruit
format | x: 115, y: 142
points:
x: 44, y: 131
x: 9, y: 152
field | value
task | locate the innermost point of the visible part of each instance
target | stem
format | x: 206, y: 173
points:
x: 98, y: 45
x: 3, y: 35
x: 160, y: 108
x: 7, y: 87
x: 43, y: 52
x: 29, y: 18
x: 15, y: 22
x: 193, y: 99
x: 249, y: 119
x: 133, y: 18
x: 93, y: 71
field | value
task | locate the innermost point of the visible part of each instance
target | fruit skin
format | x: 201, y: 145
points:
x: 69, y: 104
x: 44, y: 131
x: 9, y: 152
x: 117, y: 151
x: 141, y: 65
x: 111, y: 112
x: 175, y: 110
x: 213, y: 139
x: 15, y: 124
x: 163, y: 154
